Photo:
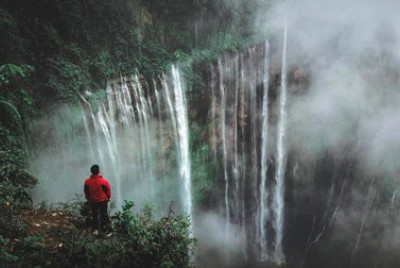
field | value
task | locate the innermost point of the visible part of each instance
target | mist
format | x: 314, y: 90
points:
x: 350, y: 52
x: 136, y: 153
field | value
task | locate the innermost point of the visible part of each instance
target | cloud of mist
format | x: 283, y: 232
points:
x: 64, y: 153
x: 349, y: 53
x: 217, y: 246
x: 57, y: 157
x: 352, y: 53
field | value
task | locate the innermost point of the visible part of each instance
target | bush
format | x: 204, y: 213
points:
x: 134, y: 240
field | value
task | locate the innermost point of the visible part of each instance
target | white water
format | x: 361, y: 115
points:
x: 264, y: 210
x: 239, y: 133
x: 183, y: 135
x: 254, y: 115
x: 235, y: 166
x: 86, y: 126
x: 139, y: 136
x: 278, y: 202
x: 129, y: 129
x: 224, y: 146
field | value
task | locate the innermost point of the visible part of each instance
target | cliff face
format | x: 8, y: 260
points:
x: 339, y: 204
x: 336, y: 208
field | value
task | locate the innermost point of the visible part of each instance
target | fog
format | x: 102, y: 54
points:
x: 350, y: 50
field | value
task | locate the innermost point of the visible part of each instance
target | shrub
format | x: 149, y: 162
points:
x: 135, y: 239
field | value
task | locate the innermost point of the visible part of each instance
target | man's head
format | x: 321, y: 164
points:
x: 95, y: 169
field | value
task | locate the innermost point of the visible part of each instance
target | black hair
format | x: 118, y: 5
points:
x: 95, y: 169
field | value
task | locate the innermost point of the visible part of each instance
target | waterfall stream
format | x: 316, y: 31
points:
x: 240, y: 124
x: 183, y: 140
x: 278, y: 203
x: 264, y: 209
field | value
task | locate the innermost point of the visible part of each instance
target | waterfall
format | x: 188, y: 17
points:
x: 224, y: 146
x: 183, y: 135
x: 264, y: 210
x: 253, y: 77
x: 235, y: 166
x: 87, y: 132
x: 239, y: 133
x: 278, y: 203
x: 107, y: 131
x: 213, y: 113
x: 241, y: 115
x: 139, y: 136
x: 129, y: 127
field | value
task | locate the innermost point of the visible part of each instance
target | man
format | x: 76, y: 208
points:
x: 98, y: 193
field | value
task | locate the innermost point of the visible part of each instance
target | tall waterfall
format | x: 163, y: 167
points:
x: 253, y: 195
x: 182, y: 123
x: 237, y: 115
x: 264, y: 210
x: 115, y: 124
x: 278, y: 203
x: 224, y: 148
x: 139, y: 136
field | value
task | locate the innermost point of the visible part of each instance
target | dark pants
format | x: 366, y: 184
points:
x: 99, y: 215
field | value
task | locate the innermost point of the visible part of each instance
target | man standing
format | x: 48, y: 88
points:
x: 98, y: 193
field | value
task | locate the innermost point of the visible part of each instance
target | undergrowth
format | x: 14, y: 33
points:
x: 134, y: 239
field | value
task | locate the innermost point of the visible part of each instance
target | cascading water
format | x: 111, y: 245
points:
x: 119, y: 135
x: 224, y: 149
x: 264, y: 210
x: 183, y: 140
x: 237, y: 117
x: 278, y: 202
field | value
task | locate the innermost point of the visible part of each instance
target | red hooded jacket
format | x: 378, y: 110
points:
x: 97, y: 189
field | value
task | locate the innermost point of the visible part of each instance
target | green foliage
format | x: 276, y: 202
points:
x: 102, y: 67
x: 164, y: 242
x: 9, y: 72
x: 13, y: 90
x: 11, y: 122
x: 6, y: 258
x: 67, y: 79
x: 136, y: 240
x: 12, y: 167
x: 12, y: 199
x: 79, y: 45
x: 13, y: 156
x: 15, y: 103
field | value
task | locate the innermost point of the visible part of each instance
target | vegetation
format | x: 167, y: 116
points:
x: 76, y: 45
x: 61, y: 238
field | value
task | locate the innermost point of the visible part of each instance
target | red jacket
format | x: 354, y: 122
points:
x: 97, y: 189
